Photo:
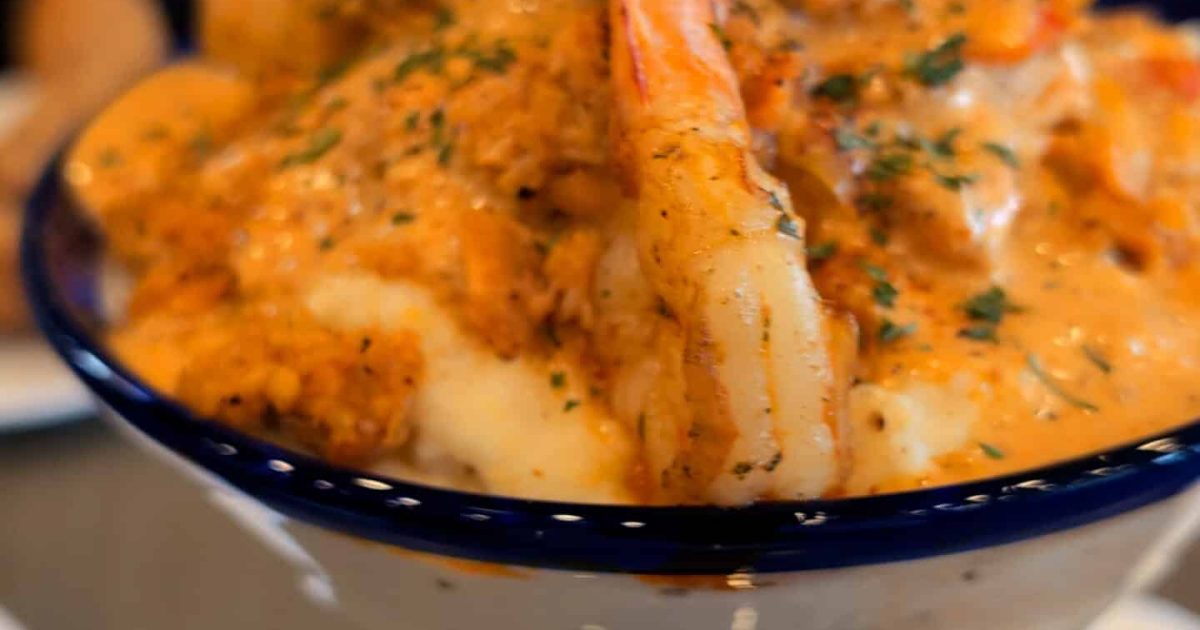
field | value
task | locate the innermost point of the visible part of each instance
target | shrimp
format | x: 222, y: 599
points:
x: 744, y: 404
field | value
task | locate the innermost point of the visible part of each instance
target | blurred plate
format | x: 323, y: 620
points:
x: 1144, y: 612
x: 36, y: 389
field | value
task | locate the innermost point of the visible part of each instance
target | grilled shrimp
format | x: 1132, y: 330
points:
x: 744, y: 405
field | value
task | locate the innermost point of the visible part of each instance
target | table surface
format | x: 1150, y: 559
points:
x: 98, y: 535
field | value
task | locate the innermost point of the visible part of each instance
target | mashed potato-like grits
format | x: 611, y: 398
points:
x: 665, y: 252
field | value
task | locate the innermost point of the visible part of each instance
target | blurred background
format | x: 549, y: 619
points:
x: 96, y: 533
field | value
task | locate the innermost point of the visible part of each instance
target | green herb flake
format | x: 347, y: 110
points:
x: 109, y: 158
x: 955, y: 182
x: 979, y: 332
x: 741, y: 8
x: 878, y: 236
x: 884, y: 294
x: 319, y: 143
x: 890, y: 331
x: 875, y: 202
x: 848, y: 139
x: 776, y: 459
x: 991, y: 451
x: 839, y: 88
x: 430, y: 60
x: 1097, y: 359
x: 889, y: 166
x: 875, y: 272
x: 558, y: 380
x: 721, y: 35
x: 156, y: 133
x: 338, y: 103
x: 1006, y: 154
x: 787, y: 226
x: 1035, y: 366
x: 412, y: 120
x: 201, y: 144
x: 570, y: 405
x: 326, y: 244
x: 822, y: 251
x: 990, y: 306
x: 403, y: 218
x: 940, y: 65
x: 741, y: 469
x: 944, y: 145
x: 443, y: 19
x: 496, y: 61
x: 333, y: 72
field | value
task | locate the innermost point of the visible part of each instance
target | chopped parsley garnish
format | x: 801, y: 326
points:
x: 890, y: 331
x: 109, y: 158
x: 1097, y: 359
x: 412, y: 120
x: 741, y: 8
x: 403, y: 218
x: 876, y: 272
x: 875, y: 201
x: 1035, y: 366
x: 787, y: 226
x: 1005, y: 154
x: 497, y: 61
x: 741, y: 469
x: 338, y: 103
x: 878, y: 236
x: 889, y: 166
x: 990, y: 306
x: 848, y: 139
x: 944, y: 145
x: 979, y: 332
x: 157, y: 132
x: 430, y: 60
x: 991, y: 451
x: 319, y: 143
x: 571, y: 404
x: 839, y: 88
x: 822, y: 251
x: 437, y: 120
x: 333, y: 72
x: 326, y: 244
x: 885, y: 294
x: 721, y: 35
x: 940, y: 65
x: 444, y: 18
x: 955, y: 182
x: 558, y: 380
x: 201, y: 144
x: 774, y: 463
x: 774, y: 201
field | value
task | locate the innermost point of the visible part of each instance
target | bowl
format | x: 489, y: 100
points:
x: 1047, y: 548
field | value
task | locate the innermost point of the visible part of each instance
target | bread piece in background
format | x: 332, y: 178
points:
x: 303, y: 36
x: 79, y: 54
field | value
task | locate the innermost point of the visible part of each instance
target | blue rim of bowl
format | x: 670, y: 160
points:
x: 764, y: 538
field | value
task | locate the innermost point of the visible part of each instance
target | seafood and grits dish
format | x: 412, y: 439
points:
x: 651, y: 251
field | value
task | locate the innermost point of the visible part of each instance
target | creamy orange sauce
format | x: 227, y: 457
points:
x: 999, y: 197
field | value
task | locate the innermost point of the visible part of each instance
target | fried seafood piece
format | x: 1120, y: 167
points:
x: 744, y: 404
